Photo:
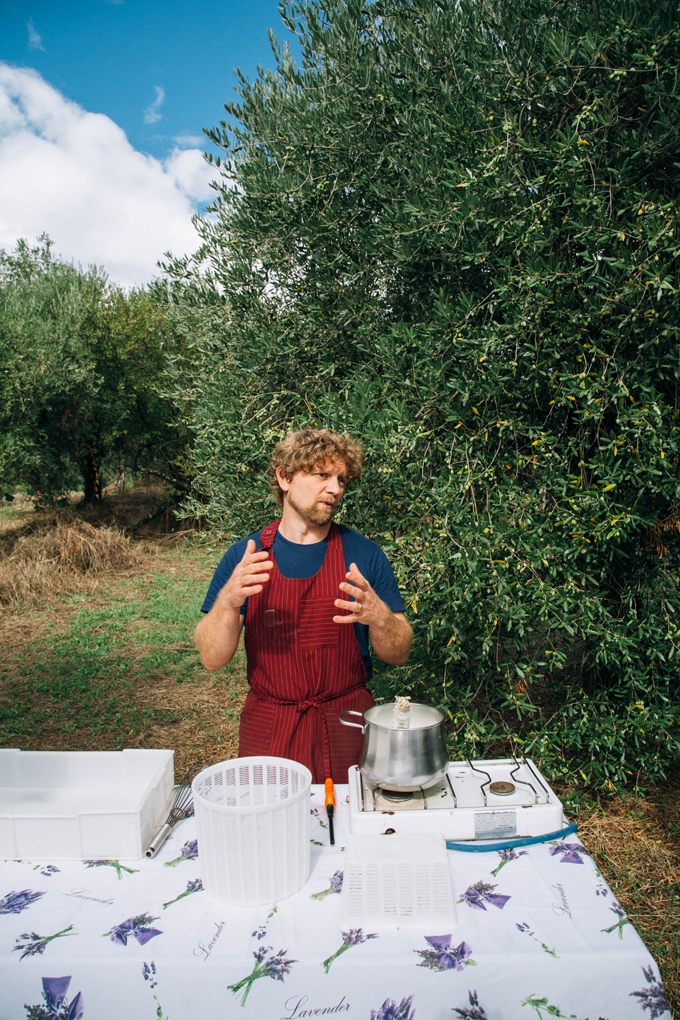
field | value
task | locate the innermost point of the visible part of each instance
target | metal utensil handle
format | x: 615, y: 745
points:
x: 158, y: 840
x: 357, y: 726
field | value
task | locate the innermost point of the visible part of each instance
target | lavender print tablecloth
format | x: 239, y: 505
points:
x: 539, y: 934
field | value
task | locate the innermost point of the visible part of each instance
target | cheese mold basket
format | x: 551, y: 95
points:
x: 252, y: 823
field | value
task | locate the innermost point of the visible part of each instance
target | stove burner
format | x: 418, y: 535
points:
x: 502, y: 789
x: 396, y: 795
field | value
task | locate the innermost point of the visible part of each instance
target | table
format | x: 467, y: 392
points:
x: 539, y: 934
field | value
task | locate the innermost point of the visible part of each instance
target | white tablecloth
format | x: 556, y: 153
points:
x: 539, y: 934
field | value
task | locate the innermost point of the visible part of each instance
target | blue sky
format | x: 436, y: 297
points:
x: 101, y: 109
x: 112, y: 57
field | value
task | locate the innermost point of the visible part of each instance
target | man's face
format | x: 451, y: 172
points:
x: 315, y: 495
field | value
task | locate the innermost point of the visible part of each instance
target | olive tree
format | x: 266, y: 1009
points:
x: 452, y: 230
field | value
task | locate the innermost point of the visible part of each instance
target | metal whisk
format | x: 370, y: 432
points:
x: 181, y: 807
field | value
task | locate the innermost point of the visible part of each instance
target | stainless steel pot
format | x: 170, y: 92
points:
x: 401, y: 759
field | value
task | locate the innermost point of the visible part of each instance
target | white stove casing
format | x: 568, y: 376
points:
x: 462, y: 807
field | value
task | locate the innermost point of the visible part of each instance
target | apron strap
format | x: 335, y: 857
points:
x: 268, y: 534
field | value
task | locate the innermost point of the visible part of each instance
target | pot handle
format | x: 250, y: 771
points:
x: 356, y: 725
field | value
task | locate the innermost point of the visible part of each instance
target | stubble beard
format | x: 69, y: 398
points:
x: 314, y: 514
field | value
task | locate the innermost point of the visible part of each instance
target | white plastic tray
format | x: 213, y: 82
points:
x: 82, y: 805
x: 402, y: 881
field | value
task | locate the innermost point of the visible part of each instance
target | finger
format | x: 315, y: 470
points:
x: 250, y: 548
x: 254, y: 589
x: 344, y: 619
x: 251, y: 556
x: 254, y: 579
x: 355, y: 575
x: 352, y: 590
x: 255, y: 564
x: 354, y: 607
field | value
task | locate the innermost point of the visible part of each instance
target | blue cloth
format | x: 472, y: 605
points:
x: 294, y: 560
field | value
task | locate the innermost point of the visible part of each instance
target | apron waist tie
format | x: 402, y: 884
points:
x: 316, y: 701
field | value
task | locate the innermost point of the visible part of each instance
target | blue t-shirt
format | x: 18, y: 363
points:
x: 294, y: 560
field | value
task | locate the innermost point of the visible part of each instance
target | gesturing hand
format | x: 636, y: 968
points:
x: 367, y: 607
x: 248, y: 578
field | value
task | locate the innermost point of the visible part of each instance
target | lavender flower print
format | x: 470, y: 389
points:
x: 474, y: 1012
x: 149, y: 974
x: 390, y: 1011
x: 444, y: 956
x: 189, y: 852
x: 317, y: 814
x: 15, y: 902
x: 259, y: 933
x: 621, y: 921
x: 353, y: 937
x: 571, y: 853
x: 508, y: 855
x: 652, y: 997
x: 116, y: 865
x: 335, y: 886
x: 539, y: 1005
x: 546, y: 949
x: 56, y: 1005
x: 275, y: 966
x: 135, y: 927
x: 194, y: 886
x: 37, y: 944
x: 480, y: 893
x: 46, y: 870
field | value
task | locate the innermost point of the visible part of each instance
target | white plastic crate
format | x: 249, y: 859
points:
x: 82, y: 805
x: 252, y: 823
x: 397, y: 881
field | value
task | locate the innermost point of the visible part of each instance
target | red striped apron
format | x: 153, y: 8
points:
x: 303, y: 669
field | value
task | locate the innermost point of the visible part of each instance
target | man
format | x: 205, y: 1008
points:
x: 310, y: 593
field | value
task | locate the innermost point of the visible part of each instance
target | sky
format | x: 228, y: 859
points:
x: 102, y: 103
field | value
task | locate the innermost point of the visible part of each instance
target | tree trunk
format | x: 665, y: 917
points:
x: 93, y: 485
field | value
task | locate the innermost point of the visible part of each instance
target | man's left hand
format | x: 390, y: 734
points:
x: 367, y: 608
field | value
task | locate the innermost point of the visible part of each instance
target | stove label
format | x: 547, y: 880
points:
x: 495, y: 824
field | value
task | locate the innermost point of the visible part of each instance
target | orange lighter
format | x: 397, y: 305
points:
x: 330, y: 808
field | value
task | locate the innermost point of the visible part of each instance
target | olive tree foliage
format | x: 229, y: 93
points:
x: 452, y: 230
x: 80, y: 361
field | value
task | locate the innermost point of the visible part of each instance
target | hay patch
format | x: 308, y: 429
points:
x: 55, y: 557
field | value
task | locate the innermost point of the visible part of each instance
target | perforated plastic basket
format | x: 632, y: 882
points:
x: 395, y: 880
x: 252, y: 822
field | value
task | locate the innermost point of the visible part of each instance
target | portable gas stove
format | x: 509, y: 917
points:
x: 483, y: 800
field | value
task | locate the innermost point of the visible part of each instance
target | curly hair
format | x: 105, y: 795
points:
x: 311, y: 448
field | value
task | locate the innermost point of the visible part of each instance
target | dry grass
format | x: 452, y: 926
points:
x: 50, y: 557
x: 636, y: 844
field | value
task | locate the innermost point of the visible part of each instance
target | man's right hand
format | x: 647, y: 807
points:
x: 218, y: 632
x: 248, y: 578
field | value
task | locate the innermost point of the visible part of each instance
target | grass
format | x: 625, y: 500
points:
x: 635, y: 844
x: 112, y: 664
x: 115, y: 665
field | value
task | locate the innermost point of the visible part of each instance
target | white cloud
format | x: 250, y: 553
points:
x: 152, y: 113
x: 74, y: 175
x: 191, y: 140
x: 34, y: 40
